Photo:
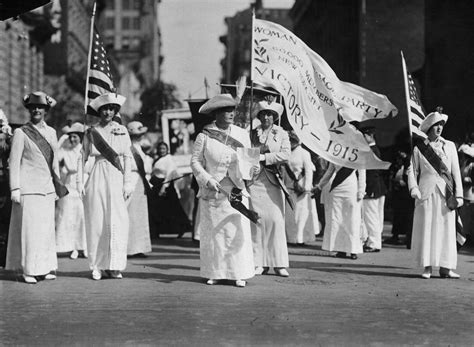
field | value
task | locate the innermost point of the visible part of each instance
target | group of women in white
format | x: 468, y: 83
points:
x: 233, y: 248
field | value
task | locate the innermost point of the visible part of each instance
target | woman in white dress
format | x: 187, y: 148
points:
x: 226, y: 245
x: 434, y: 223
x: 301, y: 223
x: 107, y: 189
x: 70, y: 224
x: 139, y: 241
x: 342, y: 192
x: 266, y: 192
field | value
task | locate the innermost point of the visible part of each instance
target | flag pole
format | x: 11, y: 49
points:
x: 89, y: 55
x: 251, y: 76
x: 407, y: 95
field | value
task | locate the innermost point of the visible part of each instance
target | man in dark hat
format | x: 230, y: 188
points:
x: 33, y: 178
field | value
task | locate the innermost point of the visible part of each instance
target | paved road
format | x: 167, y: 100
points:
x: 376, y: 300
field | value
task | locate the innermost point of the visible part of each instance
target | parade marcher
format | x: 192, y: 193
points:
x: 34, y: 184
x: 108, y: 187
x: 342, y: 192
x: 225, y: 241
x: 467, y: 173
x: 5, y: 199
x: 374, y: 201
x: 301, y: 223
x: 139, y: 241
x: 70, y: 223
x: 267, y: 192
x: 434, y: 180
x: 166, y: 194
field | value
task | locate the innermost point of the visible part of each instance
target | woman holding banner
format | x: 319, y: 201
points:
x: 226, y: 245
x: 107, y: 189
x: 267, y: 192
x: 434, y: 180
x: 342, y: 192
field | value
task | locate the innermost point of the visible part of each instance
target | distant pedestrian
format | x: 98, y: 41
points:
x: 267, y: 192
x: 467, y: 173
x: 107, y: 189
x: 70, y: 223
x: 35, y: 185
x: 139, y: 241
x: 436, y: 198
x: 301, y: 223
x: 225, y: 241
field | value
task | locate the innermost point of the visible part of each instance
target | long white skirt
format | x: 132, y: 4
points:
x: 139, y: 234
x: 226, y: 245
x: 302, y: 223
x: 268, y: 235
x: 372, y: 222
x: 106, y: 218
x: 434, y: 233
x: 31, y: 241
x: 70, y: 224
x: 343, y: 218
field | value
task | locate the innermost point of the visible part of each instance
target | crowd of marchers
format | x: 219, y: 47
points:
x: 96, y: 193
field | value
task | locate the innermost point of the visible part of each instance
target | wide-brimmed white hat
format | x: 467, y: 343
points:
x: 76, y: 128
x: 106, y: 99
x: 136, y: 128
x: 270, y: 106
x: 38, y: 98
x: 217, y: 102
x: 432, y: 119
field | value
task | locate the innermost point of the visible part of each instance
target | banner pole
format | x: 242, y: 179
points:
x: 251, y: 76
x: 89, y: 55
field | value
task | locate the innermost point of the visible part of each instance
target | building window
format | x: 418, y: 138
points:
x: 125, y: 42
x: 136, y: 4
x: 110, y: 23
x: 126, y: 23
x: 127, y: 4
x: 136, y: 23
x: 110, y: 4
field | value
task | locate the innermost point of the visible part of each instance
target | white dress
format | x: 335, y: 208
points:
x: 139, y: 235
x: 434, y: 225
x: 301, y: 224
x: 107, y: 221
x: 70, y: 223
x: 225, y: 241
x: 342, y: 211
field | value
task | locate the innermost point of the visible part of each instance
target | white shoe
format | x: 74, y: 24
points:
x: 30, y: 279
x: 240, y: 283
x: 426, y: 273
x: 282, y: 272
x: 258, y: 270
x: 211, y: 282
x: 449, y: 274
x: 74, y: 254
x: 49, y: 277
x: 96, y: 275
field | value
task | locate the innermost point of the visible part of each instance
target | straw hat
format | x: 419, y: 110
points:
x: 76, y: 128
x: 432, y: 119
x: 38, y: 98
x: 106, y: 99
x: 136, y: 128
x: 270, y: 106
x: 217, y: 102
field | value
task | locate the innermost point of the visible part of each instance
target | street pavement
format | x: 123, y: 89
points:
x: 376, y: 300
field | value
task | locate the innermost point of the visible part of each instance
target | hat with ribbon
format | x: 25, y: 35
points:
x: 76, y: 128
x: 432, y: 119
x: 106, y: 99
x: 38, y: 98
x: 217, y: 102
x: 136, y: 128
x: 273, y: 106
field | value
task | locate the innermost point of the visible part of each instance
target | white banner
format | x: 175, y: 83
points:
x: 319, y: 106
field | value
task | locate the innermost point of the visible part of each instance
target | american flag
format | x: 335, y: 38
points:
x: 99, y: 77
x: 415, y: 109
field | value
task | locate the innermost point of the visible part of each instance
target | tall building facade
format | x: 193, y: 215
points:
x: 237, y: 40
x: 132, y: 36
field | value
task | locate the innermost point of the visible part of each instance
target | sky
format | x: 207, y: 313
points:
x: 190, y: 31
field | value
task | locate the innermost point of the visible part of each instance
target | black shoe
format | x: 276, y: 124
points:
x: 340, y: 255
x: 371, y: 250
x: 353, y: 256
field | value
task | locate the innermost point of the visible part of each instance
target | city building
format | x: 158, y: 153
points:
x: 132, y: 37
